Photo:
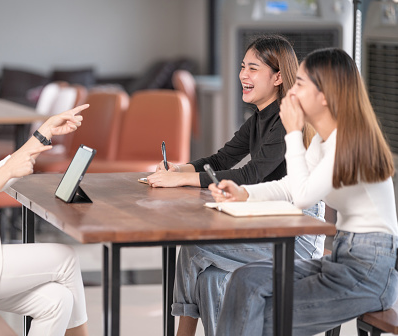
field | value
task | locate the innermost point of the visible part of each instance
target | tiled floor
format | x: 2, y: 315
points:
x: 141, y: 311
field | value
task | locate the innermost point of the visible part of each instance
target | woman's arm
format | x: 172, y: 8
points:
x: 309, y: 186
x: 187, y: 175
x: 21, y: 162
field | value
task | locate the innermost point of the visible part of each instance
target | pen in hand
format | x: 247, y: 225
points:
x: 164, y: 156
x: 213, y: 177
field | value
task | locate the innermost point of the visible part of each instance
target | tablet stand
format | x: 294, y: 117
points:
x: 80, y: 197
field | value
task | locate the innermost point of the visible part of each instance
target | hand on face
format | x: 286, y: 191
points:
x: 291, y: 113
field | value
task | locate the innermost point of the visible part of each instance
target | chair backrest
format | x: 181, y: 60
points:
x: 154, y: 116
x: 81, y: 94
x: 184, y: 81
x: 101, y: 123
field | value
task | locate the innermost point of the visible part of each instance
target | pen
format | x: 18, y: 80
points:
x: 164, y: 156
x: 213, y: 177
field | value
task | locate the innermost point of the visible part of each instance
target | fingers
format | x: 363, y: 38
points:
x: 73, y: 116
x: 39, y: 150
x: 79, y: 109
x: 160, y: 166
x: 291, y: 113
x: 173, y: 168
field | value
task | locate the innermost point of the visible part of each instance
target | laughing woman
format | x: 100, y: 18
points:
x: 348, y: 165
x: 267, y: 73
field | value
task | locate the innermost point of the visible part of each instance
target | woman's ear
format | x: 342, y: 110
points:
x: 323, y: 100
x: 278, y: 79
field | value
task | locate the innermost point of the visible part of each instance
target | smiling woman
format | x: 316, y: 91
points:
x: 268, y: 71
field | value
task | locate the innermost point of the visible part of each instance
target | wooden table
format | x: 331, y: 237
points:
x: 125, y: 212
x: 19, y: 115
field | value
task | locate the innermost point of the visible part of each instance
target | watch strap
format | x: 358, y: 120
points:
x: 42, y: 138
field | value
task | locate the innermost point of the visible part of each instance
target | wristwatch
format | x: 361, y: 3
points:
x: 42, y: 138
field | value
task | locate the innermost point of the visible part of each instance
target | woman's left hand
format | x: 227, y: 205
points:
x: 291, y: 113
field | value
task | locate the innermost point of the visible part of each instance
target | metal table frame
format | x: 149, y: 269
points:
x: 282, y: 278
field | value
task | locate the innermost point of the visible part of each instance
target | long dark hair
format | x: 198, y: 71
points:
x: 277, y: 52
x: 362, y: 152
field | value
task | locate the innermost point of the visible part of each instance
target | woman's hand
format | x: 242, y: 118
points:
x: 22, y: 161
x: 172, y: 167
x: 233, y: 192
x: 291, y: 113
x: 167, y: 179
x: 63, y: 123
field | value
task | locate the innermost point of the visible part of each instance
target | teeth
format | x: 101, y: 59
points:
x: 247, y: 87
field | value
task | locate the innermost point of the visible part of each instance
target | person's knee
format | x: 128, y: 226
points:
x: 56, y: 302
x: 211, y: 285
x: 212, y: 276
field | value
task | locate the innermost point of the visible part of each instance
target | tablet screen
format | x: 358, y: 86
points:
x: 74, y: 174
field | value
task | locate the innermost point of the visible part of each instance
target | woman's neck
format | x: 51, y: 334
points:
x: 324, y: 125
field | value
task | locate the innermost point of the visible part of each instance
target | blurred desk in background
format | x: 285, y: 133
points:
x: 21, y: 116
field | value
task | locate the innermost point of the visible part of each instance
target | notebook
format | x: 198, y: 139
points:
x: 266, y: 208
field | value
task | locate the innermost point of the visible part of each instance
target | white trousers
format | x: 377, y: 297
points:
x: 43, y: 281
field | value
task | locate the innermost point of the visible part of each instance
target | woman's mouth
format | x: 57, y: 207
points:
x: 247, y: 88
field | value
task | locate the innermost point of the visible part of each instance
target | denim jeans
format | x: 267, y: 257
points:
x: 358, y: 277
x: 203, y: 271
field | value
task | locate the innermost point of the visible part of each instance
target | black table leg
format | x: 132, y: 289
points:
x: 169, y: 265
x: 28, y: 236
x: 283, y: 287
x: 111, y: 289
x: 105, y: 287
x: 21, y: 134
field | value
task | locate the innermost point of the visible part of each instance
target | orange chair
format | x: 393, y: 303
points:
x: 153, y: 116
x: 99, y: 130
x: 184, y: 81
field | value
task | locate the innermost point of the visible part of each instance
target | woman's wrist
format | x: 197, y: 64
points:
x: 45, y: 128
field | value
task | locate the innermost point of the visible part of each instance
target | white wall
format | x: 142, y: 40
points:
x: 117, y: 37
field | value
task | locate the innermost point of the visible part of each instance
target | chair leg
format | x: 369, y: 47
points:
x: 364, y: 328
x: 333, y: 332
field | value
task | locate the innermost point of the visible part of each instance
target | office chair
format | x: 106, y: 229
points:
x: 184, y: 81
x: 153, y: 116
x: 99, y: 130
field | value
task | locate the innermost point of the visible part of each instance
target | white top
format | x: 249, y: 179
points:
x: 364, y: 207
x: 9, y: 183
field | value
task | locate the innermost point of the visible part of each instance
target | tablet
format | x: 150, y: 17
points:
x: 69, y: 184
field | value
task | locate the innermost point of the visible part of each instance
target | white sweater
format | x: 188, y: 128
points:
x: 364, y: 207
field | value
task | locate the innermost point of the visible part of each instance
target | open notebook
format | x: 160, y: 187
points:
x: 266, y: 208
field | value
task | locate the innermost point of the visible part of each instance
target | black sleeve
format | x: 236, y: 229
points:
x: 231, y: 154
x: 267, y: 164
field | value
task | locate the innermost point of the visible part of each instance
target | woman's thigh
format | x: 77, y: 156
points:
x: 29, y: 265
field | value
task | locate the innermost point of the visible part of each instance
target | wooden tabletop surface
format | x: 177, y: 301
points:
x: 13, y: 113
x: 124, y: 210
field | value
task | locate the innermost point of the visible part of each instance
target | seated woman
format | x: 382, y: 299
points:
x: 42, y: 280
x: 267, y: 72
x: 348, y: 165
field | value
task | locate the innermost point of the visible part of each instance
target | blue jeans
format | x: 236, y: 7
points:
x: 358, y: 277
x: 203, y: 271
